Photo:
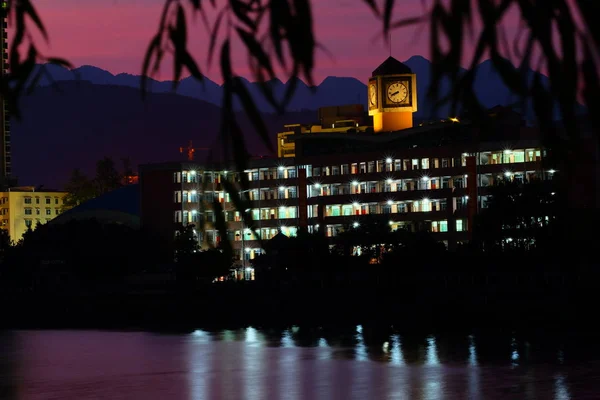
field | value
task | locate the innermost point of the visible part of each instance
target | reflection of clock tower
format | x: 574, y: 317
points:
x: 392, y: 96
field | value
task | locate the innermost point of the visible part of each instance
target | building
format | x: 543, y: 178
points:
x: 432, y: 177
x: 340, y: 119
x: 5, y: 150
x: 120, y: 206
x: 23, y: 207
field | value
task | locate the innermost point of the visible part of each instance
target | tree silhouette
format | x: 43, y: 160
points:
x: 519, y: 217
x: 559, y: 36
x: 79, y: 190
x: 107, y: 176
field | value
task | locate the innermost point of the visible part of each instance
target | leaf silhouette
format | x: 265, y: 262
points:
x: 257, y: 51
x: 252, y: 112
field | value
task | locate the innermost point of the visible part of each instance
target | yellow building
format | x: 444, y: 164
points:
x: 334, y: 119
x: 23, y: 207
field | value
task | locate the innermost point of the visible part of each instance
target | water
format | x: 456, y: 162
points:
x: 295, y: 363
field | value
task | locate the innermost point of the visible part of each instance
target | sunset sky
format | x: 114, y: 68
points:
x: 113, y: 35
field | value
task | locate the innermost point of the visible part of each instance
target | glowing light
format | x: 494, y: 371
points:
x: 194, y: 192
x: 193, y: 172
x: 390, y: 202
x: 247, y: 250
x: 280, y: 168
x: 508, y: 174
x: 551, y: 171
x: 454, y: 119
x: 426, y: 200
x: 355, y: 204
x: 317, y: 185
x: 425, y: 178
x: 281, y: 188
x: 389, y: 181
x: 552, y: 194
x: 391, y: 222
x: 194, y: 211
x: 507, y: 151
x: 466, y: 197
x: 388, y: 160
x: 354, y: 183
x: 355, y: 225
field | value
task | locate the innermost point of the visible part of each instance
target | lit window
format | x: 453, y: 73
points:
x: 444, y: 226
x: 459, y: 225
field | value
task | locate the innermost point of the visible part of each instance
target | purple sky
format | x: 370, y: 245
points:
x: 113, y: 35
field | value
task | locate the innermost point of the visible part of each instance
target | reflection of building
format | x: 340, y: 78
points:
x: 23, y: 207
x: 5, y: 150
x: 432, y: 177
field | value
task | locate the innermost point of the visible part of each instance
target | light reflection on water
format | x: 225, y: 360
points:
x: 294, y: 363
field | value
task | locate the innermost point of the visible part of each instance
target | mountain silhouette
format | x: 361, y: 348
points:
x: 90, y: 113
x: 75, y: 124
x: 333, y: 91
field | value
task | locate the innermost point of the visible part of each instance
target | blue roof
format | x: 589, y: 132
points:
x: 125, y: 200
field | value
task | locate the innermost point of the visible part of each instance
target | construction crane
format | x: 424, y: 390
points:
x: 190, y: 150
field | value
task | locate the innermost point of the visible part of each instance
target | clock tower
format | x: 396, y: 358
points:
x: 392, y: 96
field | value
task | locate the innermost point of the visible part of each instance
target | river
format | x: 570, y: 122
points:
x: 296, y: 363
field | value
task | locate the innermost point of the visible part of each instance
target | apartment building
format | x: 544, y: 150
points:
x: 431, y: 177
x: 23, y: 207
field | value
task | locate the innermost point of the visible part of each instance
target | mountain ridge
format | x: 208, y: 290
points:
x: 332, y: 91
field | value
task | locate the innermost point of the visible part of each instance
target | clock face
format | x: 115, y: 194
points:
x: 373, y: 94
x: 397, y: 92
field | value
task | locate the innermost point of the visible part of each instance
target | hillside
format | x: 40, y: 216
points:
x: 80, y: 123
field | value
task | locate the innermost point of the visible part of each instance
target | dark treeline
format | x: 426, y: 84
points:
x: 521, y: 267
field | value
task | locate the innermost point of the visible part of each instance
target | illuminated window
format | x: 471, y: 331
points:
x: 48, y: 211
x: 443, y: 226
x: 459, y: 225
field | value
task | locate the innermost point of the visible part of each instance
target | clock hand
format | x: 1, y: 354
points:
x: 395, y: 93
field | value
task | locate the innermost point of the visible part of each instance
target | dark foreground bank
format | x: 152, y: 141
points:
x: 452, y: 302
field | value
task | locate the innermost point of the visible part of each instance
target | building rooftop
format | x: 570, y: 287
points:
x: 39, y: 189
x: 119, y: 206
x: 391, y: 66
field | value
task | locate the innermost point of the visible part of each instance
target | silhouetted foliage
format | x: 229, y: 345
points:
x: 280, y: 33
x: 81, y: 189
x: 186, y: 242
x: 518, y: 216
x: 194, y: 264
x: 5, y: 243
x: 559, y: 36
x: 107, y: 176
x: 85, y: 251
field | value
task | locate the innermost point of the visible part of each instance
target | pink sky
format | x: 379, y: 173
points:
x: 113, y: 35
